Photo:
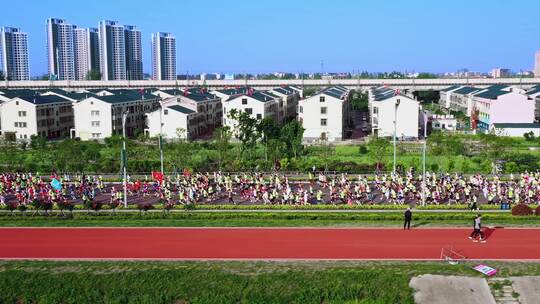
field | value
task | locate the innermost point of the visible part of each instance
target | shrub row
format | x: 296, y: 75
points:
x: 101, y: 206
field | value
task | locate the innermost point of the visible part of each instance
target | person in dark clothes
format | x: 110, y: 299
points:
x: 408, y: 218
x: 477, y: 230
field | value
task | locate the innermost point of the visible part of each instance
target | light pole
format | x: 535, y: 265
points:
x: 395, y: 131
x: 124, y: 154
x: 424, y: 161
x: 161, y: 136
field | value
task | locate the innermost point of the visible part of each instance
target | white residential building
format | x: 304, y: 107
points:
x: 198, y: 100
x: 50, y: 117
x: 462, y: 100
x: 325, y: 115
x: 258, y: 104
x: 392, y: 111
x: 288, y: 105
x: 177, y: 122
x: 502, y: 104
x: 445, y: 94
x: 98, y: 117
x: 14, y: 54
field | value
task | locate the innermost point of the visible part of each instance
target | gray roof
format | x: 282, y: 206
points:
x: 336, y: 91
x: 491, y: 94
x: 262, y: 96
x: 40, y: 100
x: 126, y: 97
x: 18, y: 93
x: 467, y: 90
x: 382, y: 93
x: 522, y: 125
x: 234, y: 91
x: 534, y: 90
x: 450, y: 88
x: 179, y: 108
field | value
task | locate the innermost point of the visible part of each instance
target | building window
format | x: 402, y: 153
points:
x: 323, y: 110
x: 95, y: 113
x: 300, y: 109
x: 96, y: 135
x: 249, y: 111
x: 95, y: 123
x: 321, y: 99
x: 259, y: 116
x: 22, y: 113
x: 323, y: 121
x: 165, y: 112
x: 375, y: 110
x: 244, y: 101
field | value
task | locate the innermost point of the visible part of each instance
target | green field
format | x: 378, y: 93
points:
x: 224, y: 282
x: 264, y: 219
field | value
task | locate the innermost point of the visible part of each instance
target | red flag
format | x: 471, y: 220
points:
x: 186, y: 92
x: 157, y: 176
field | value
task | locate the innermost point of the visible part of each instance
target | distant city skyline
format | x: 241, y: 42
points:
x: 295, y: 36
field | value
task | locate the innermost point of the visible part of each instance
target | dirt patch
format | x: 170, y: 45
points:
x: 437, y: 289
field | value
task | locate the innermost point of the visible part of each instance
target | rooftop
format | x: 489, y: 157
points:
x: 467, y: 90
x: 522, y: 125
x: 40, y: 100
x: 179, y: 108
x: 450, y: 88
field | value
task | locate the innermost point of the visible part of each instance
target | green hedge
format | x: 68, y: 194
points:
x: 31, y: 208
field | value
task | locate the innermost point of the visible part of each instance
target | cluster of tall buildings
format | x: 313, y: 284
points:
x: 110, y: 52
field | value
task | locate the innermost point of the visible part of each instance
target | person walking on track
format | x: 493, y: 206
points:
x: 477, y: 230
x: 408, y: 217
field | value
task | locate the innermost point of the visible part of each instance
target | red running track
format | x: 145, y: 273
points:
x: 263, y: 243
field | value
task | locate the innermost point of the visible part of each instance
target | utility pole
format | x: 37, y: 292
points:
x: 124, y: 155
x: 395, y: 134
x: 161, y: 136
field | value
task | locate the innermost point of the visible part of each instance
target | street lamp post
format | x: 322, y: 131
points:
x: 395, y: 131
x: 161, y: 136
x: 124, y: 154
x: 424, y: 162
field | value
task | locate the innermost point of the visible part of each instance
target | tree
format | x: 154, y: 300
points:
x: 495, y: 145
x: 93, y: 75
x: 246, y: 130
x: 378, y: 148
x: 37, y: 142
x: 291, y: 136
x: 222, y: 137
x: 268, y: 130
x: 360, y: 101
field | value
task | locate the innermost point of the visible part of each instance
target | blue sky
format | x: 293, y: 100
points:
x: 292, y: 35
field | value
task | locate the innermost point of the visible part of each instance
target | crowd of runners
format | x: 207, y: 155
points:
x: 274, y: 188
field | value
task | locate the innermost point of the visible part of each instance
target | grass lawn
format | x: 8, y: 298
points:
x: 260, y: 219
x: 224, y: 282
